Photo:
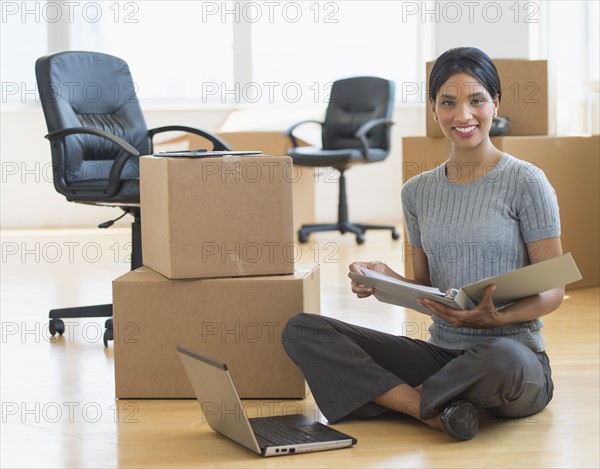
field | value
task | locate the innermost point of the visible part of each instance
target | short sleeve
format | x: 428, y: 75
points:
x: 538, y: 210
x: 411, y: 222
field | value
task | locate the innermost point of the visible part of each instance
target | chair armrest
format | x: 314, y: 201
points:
x: 361, y: 133
x: 100, y: 133
x: 114, y: 177
x: 219, y: 143
x: 290, y: 132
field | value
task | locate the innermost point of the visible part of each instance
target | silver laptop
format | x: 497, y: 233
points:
x: 267, y: 436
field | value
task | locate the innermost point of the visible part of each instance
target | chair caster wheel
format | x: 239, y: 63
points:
x: 395, y: 235
x: 108, y: 335
x: 360, y: 239
x: 302, y: 237
x: 56, y: 326
x: 108, y: 332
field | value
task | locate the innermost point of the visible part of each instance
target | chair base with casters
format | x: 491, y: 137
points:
x: 343, y: 225
x: 56, y: 323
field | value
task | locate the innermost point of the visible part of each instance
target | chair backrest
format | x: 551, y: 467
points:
x: 352, y: 102
x: 90, y: 89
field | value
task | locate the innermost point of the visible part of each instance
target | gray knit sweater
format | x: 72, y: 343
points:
x: 480, y: 229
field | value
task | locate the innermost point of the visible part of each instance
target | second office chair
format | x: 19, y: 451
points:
x: 356, y: 131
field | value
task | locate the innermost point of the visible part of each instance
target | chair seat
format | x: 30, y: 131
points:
x: 313, y: 156
x: 92, y: 191
x: 91, y: 170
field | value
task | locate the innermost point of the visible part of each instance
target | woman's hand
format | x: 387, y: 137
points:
x: 483, y: 316
x: 360, y: 290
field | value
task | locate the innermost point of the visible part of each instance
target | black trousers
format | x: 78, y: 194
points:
x: 347, y: 366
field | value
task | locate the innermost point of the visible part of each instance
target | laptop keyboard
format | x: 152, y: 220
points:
x: 280, y: 434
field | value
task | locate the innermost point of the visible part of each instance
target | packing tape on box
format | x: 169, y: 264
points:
x: 231, y: 163
x: 302, y: 271
x: 239, y: 266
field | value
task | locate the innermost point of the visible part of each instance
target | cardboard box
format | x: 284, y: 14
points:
x: 270, y: 143
x: 571, y: 164
x: 524, y: 97
x: 275, y: 143
x: 217, y: 217
x: 237, y: 320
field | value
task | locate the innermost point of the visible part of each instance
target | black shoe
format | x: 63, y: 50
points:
x: 460, y: 420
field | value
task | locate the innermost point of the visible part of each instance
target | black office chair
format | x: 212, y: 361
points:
x: 97, y: 133
x: 356, y: 131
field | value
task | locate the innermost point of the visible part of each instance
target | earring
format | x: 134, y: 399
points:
x: 435, y: 117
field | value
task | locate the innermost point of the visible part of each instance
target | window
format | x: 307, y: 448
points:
x: 304, y: 49
x: 246, y: 53
x: 572, y: 52
x: 174, y: 49
x: 224, y: 53
x: 22, y: 23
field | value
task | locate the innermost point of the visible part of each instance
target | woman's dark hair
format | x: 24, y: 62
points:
x: 469, y: 60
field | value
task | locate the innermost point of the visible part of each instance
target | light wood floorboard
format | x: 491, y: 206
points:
x: 58, y: 406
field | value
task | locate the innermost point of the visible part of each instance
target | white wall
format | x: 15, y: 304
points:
x: 374, y: 189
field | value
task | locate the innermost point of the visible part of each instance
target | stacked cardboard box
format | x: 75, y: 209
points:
x: 270, y: 143
x: 570, y: 163
x: 219, y: 277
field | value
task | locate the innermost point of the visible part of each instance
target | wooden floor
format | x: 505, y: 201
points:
x: 58, y: 406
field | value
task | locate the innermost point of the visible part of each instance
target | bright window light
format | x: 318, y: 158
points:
x: 305, y: 49
x: 172, y: 48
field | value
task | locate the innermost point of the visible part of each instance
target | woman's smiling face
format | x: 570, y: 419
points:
x: 464, y: 110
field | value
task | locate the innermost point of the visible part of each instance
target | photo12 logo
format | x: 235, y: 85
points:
x: 69, y: 412
x: 71, y: 252
x: 90, y: 332
x: 268, y: 92
x: 69, y: 11
x: 471, y: 12
x: 270, y: 12
x: 70, y: 92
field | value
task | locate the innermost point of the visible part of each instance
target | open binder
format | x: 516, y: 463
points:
x: 510, y: 286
